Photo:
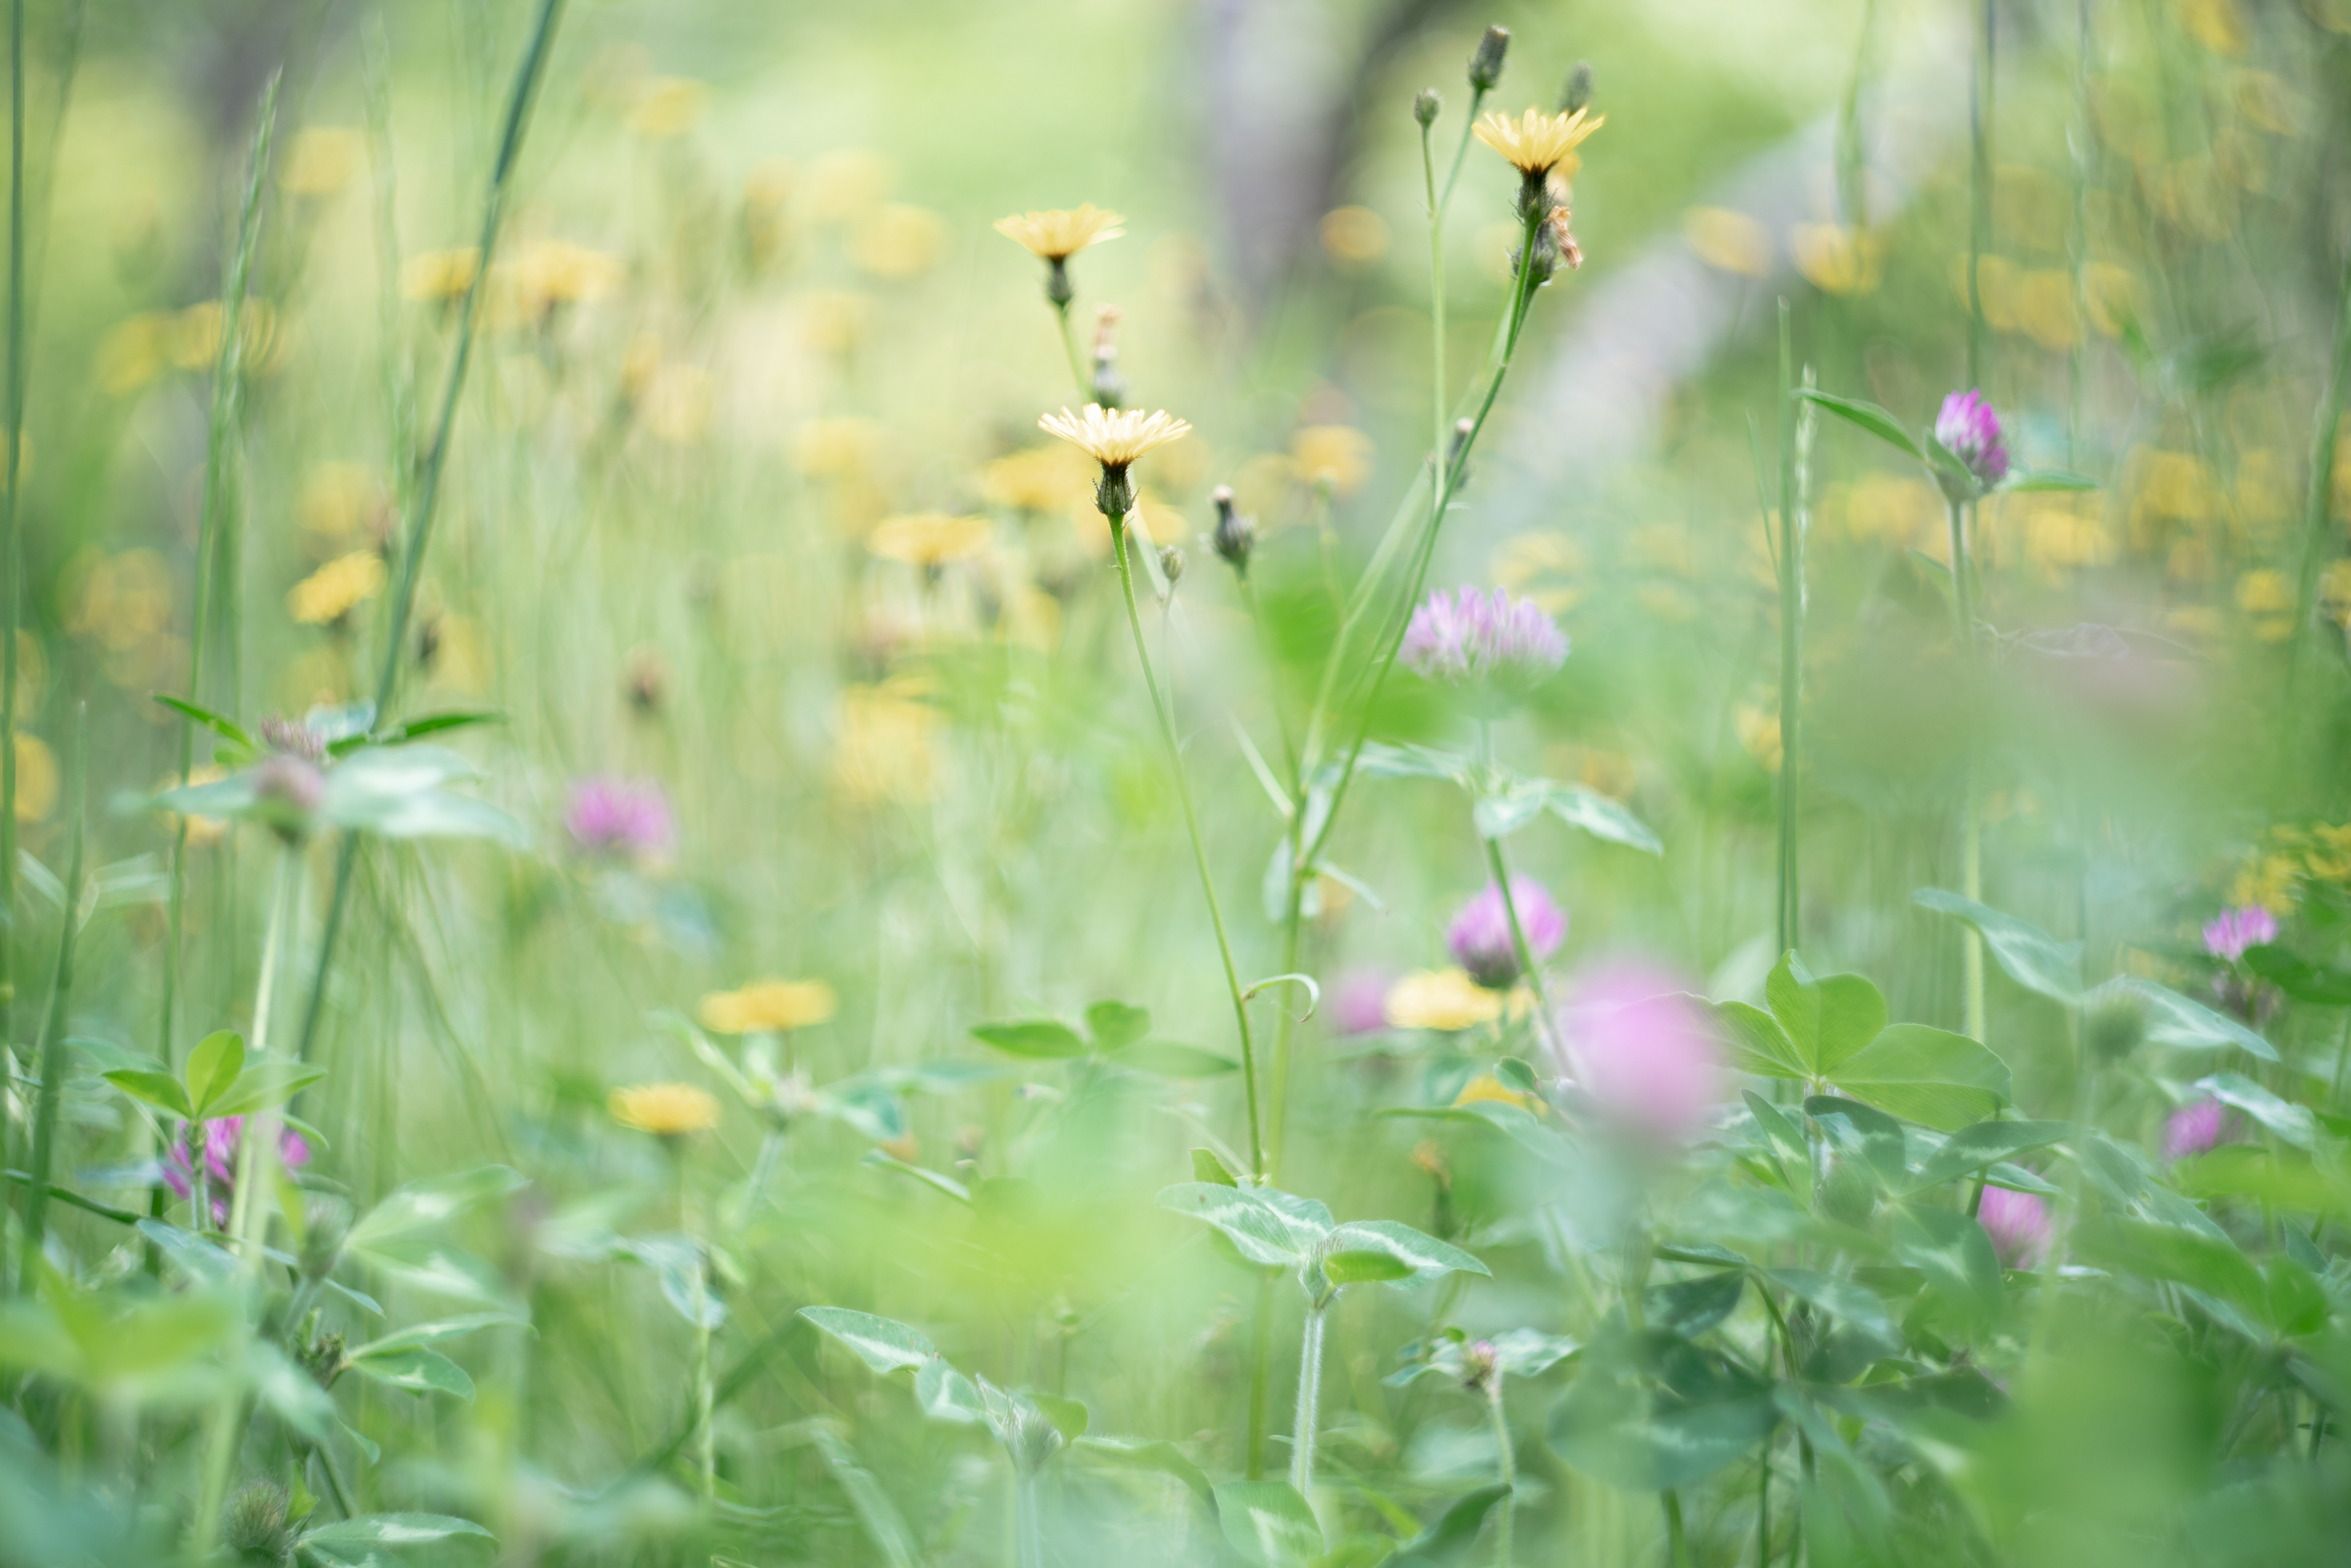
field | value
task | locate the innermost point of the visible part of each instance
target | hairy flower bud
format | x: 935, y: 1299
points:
x: 254, y: 1526
x: 287, y: 792
x: 1426, y: 105
x: 1235, y: 535
x: 1114, y: 491
x: 1486, y: 66
x: 1171, y: 564
x: 1110, y: 387
x: 1058, y: 288
x: 1578, y: 92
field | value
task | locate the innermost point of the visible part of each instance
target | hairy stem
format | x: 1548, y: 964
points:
x: 1310, y: 1390
x: 1791, y: 645
x: 1963, y: 604
x: 51, y: 1052
x: 1509, y: 1464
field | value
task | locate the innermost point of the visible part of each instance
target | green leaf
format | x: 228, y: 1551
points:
x: 1161, y: 1455
x: 422, y: 1204
x: 1262, y: 1233
x: 1207, y: 1167
x: 265, y: 1085
x: 1930, y: 1076
x: 879, y: 1517
x: 1654, y: 1411
x: 1599, y: 816
x: 433, y: 724
x: 158, y: 1089
x: 1691, y: 1307
x: 935, y: 1180
x: 946, y: 1395
x: 1530, y: 1352
x: 418, y: 1370
x: 2299, y: 979
x: 1379, y: 760
x: 1986, y: 1143
x: 1040, y: 1038
x: 390, y: 1530
x: 219, y: 724
x: 1115, y: 1025
x: 1424, y: 1256
x: 1865, y: 1133
x: 1824, y: 1020
x: 1268, y: 1522
x: 425, y: 1333
x: 882, y: 1343
x: 1367, y: 1265
x: 1867, y: 416
x: 1456, y: 1528
x: 1169, y: 1060
x: 2293, y: 1122
x: 1503, y: 812
x: 2181, y: 1021
x: 1840, y: 1298
x: 2021, y: 481
x: 212, y: 1067
x: 1953, y: 1254
x: 2030, y: 956
x: 2212, y: 1263
x: 1758, y: 1045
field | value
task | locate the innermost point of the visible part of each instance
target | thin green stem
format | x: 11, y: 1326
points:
x: 1261, y: 1358
x: 51, y: 1052
x: 1979, y: 190
x: 12, y: 551
x: 73, y: 1200
x: 1676, y: 1544
x: 2318, y: 500
x: 1165, y: 714
x: 1310, y: 1390
x: 424, y: 502
x: 1791, y: 643
x: 1068, y: 334
x: 1509, y: 1466
x: 1527, y: 963
x: 1963, y: 603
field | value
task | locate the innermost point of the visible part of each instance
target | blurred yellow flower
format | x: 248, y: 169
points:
x: 669, y: 106
x: 36, y: 779
x: 548, y: 273
x: 340, y: 500
x: 1728, y: 242
x: 1486, y: 1088
x: 1445, y: 999
x: 828, y: 449
x: 929, y: 539
x: 1536, y: 566
x: 1355, y: 236
x: 677, y: 401
x: 132, y: 353
x: 2335, y: 591
x: 1758, y: 732
x: 2063, y: 533
x: 440, y: 274
x: 1338, y: 456
x: 1117, y: 439
x: 834, y: 319
x: 769, y: 1008
x: 898, y: 242
x: 1536, y: 142
x: 329, y: 594
x: 671, y: 1109
x: 320, y: 161
x: 1882, y: 508
x: 1996, y: 285
x: 194, y: 337
x: 1836, y: 259
x: 2218, y: 25
x: 2267, y: 600
x: 1667, y: 601
x: 122, y: 600
x: 1036, y: 479
x: 2042, y: 303
x: 2112, y: 295
x: 886, y: 749
x: 200, y: 829
x: 1060, y: 235
x: 846, y: 182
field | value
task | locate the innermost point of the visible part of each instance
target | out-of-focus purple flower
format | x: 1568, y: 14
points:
x: 1641, y: 1051
x: 1970, y: 431
x: 2194, y: 1129
x: 287, y: 794
x: 1359, y: 1002
x: 1469, y: 637
x: 223, y: 1139
x: 619, y: 816
x: 1480, y: 936
x: 2237, y: 930
x: 2017, y: 1224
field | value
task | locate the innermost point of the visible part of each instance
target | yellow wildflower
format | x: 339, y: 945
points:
x: 1333, y: 453
x: 2267, y: 599
x: 1355, y: 236
x: 1037, y: 479
x: 200, y: 829
x: 831, y: 448
x: 556, y: 272
x: 36, y: 779
x: 1114, y: 438
x: 1758, y: 732
x: 1538, y: 567
x: 1441, y: 999
x: 846, y: 182
x: 669, y: 105
x: 193, y: 339
x: 678, y: 403
x: 887, y: 748
x: 329, y: 594
x: 897, y: 241
x: 1487, y: 1087
x: 1535, y: 143
x: 1728, y: 242
x: 440, y: 274
x: 1058, y: 234
x: 1836, y: 259
x: 834, y: 319
x: 122, y: 600
x: 339, y: 499
x: 929, y: 539
x: 671, y: 1109
x: 320, y: 161
x: 769, y: 1006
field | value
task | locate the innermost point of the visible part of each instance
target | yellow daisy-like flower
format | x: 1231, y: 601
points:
x: 320, y: 161
x: 1114, y: 438
x: 441, y: 275
x: 36, y: 779
x: 1445, y: 999
x: 329, y: 594
x: 1038, y: 479
x: 1535, y: 143
x: 929, y: 538
x: 1058, y: 236
x: 769, y: 1006
x: 671, y: 1109
x: 1336, y: 455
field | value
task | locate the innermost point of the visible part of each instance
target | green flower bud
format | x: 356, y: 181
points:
x: 1486, y: 66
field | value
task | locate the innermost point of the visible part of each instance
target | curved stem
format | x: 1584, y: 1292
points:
x: 1200, y: 855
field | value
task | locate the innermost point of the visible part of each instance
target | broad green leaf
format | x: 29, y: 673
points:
x: 2293, y: 1122
x: 418, y: 1370
x: 198, y: 1256
x: 1599, y: 816
x: 424, y: 1203
x: 1840, y: 1298
x: 1115, y: 1025
x: 1380, y: 760
x: 1986, y: 1143
x: 2297, y: 1303
x: 2298, y: 977
x: 264, y: 1086
x: 212, y: 1067
x: 1070, y: 1418
x: 1824, y: 1020
x: 2182, y: 1021
x: 1953, y: 1254
x: 158, y: 1089
x: 1758, y: 1045
x: 1456, y: 1528
x: 389, y: 1530
x: 1168, y: 1060
x: 287, y: 1391
x: 1499, y: 815
x: 1689, y: 1307
x: 219, y: 724
x: 1865, y: 1133
x: 2030, y: 956
x: 422, y: 1264
x: 946, y: 1395
x: 1514, y: 1074
x: 1268, y: 1522
x: 1365, y: 1267
x: 1654, y: 1411
x: 1262, y: 1233
x: 1930, y: 1076
x: 2237, y: 1169
x: 1040, y: 1038
x: 1866, y: 416
x: 432, y: 724
x: 1425, y: 1257
x: 1530, y: 1352
x: 2211, y: 1263
x: 425, y: 1333
x: 1165, y: 1457
x: 882, y: 1343
x: 1207, y: 1167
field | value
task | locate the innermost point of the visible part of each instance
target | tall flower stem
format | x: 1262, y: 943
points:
x: 425, y: 499
x: 2318, y: 502
x: 1085, y: 383
x: 1310, y: 1399
x: 1791, y: 642
x: 1509, y: 1461
x: 1980, y: 188
x: 1200, y: 855
x: 51, y: 1053
x: 1261, y: 1357
x: 12, y: 551
x: 1963, y: 604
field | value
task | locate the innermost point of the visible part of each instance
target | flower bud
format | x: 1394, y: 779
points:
x: 1235, y: 535
x: 1486, y: 66
x: 1171, y: 564
x: 1057, y: 289
x: 287, y: 792
x: 1426, y: 105
x: 2115, y: 1029
x: 1033, y: 1438
x: 1114, y: 491
x: 254, y: 1526
x: 1480, y: 1366
x: 1578, y: 93
x: 1109, y: 387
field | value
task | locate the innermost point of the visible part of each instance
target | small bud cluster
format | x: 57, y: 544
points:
x: 1235, y: 535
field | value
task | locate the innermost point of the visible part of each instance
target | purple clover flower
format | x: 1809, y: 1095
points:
x: 1970, y: 431
x: 2017, y: 1224
x: 1472, y: 638
x: 2237, y: 930
x: 619, y: 817
x: 2194, y: 1129
x: 1359, y: 1002
x: 222, y: 1140
x: 1480, y: 936
x: 1642, y: 1053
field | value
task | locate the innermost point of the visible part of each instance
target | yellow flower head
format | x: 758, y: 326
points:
x: 320, y: 161
x: 929, y: 538
x: 670, y: 106
x: 1535, y: 143
x: 1059, y: 236
x: 1441, y: 999
x: 769, y: 1006
x: 1727, y: 240
x: 331, y: 592
x: 36, y: 779
x: 1114, y: 438
x: 441, y: 275
x: 1333, y: 453
x: 1039, y: 479
x: 553, y: 272
x: 670, y: 1109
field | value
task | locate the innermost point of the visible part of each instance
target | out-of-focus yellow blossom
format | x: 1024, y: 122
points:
x: 36, y: 779
x: 320, y: 161
x: 897, y: 241
x: 1058, y: 235
x: 2266, y: 600
x: 1031, y: 618
x: 834, y: 320
x: 2053, y: 534
x: 671, y: 1109
x: 2274, y: 874
x: 677, y: 401
x: 1661, y: 547
x: 1838, y: 259
x: 2218, y: 25
x: 121, y: 600
x: 2267, y: 490
x: 1038, y: 479
x: 2265, y: 102
x: 1996, y: 282
x: 1338, y: 455
x: 440, y: 276
x: 666, y: 106
x: 132, y: 353
x: 2112, y: 295
x: 1538, y: 566
x: 339, y: 500
x: 1882, y: 508
x: 194, y: 339
x: 769, y: 1008
x: 766, y: 229
x: 1728, y: 242
x: 844, y: 183
x: 332, y: 591
x: 887, y: 746
x: 32, y: 672
x: 2168, y: 488
x: 462, y: 658
x: 2195, y: 623
x: 929, y: 539
x: 2190, y: 196
x: 200, y: 829
x: 830, y: 449
x: 549, y: 273
x: 1354, y: 237
x: 1445, y: 999
x: 1668, y: 601
x: 2335, y: 591
x: 2042, y: 300
x: 1486, y: 1088
x: 1758, y: 732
